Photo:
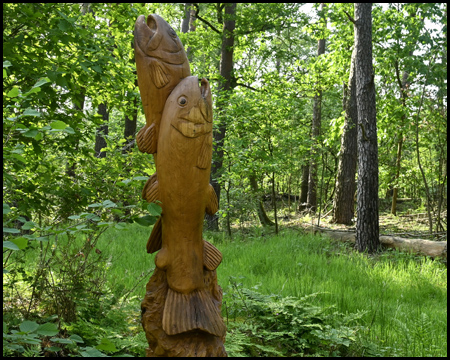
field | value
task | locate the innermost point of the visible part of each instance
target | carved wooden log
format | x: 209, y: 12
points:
x: 181, y: 310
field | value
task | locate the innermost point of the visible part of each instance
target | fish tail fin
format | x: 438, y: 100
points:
x: 196, y: 310
x: 154, y: 242
x: 212, y: 257
x: 146, y: 139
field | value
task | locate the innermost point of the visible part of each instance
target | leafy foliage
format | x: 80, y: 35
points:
x: 270, y: 325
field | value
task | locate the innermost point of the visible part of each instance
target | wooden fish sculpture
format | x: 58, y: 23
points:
x: 161, y: 63
x: 182, y: 186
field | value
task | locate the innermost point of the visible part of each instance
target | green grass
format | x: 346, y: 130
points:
x: 405, y: 296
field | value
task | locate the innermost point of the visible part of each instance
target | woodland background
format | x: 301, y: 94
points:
x: 278, y: 72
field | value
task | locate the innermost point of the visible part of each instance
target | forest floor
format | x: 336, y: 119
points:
x: 411, y: 220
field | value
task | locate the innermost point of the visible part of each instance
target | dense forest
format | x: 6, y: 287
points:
x: 323, y: 113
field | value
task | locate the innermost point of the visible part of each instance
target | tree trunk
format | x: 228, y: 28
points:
x: 102, y: 131
x: 304, y: 188
x: 130, y: 125
x: 226, y: 69
x: 367, y: 225
x: 262, y: 215
x: 403, y: 84
x: 344, y: 200
x: 315, y: 132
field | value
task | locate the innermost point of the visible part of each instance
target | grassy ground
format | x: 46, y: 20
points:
x: 404, y: 296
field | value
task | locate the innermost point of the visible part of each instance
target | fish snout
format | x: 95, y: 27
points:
x: 146, y: 33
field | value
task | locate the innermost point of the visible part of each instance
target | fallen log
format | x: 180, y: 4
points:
x: 419, y: 246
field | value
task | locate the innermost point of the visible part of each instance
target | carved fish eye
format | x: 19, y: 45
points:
x: 182, y: 101
x: 172, y: 32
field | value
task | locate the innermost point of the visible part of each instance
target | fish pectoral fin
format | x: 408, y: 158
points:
x: 150, y: 192
x: 154, y: 242
x: 146, y: 139
x: 212, y: 257
x: 205, y: 155
x: 159, y: 74
x: 213, y: 204
x: 196, y: 310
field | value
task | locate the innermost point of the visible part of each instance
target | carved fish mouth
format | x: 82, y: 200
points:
x: 149, y: 36
x: 192, y: 130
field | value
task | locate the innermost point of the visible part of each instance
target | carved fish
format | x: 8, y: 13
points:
x: 161, y: 63
x: 182, y: 186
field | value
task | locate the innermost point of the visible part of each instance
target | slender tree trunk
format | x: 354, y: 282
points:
x: 226, y: 70
x: 274, y: 200
x: 344, y: 200
x: 403, y: 84
x: 262, y: 215
x: 367, y: 225
x: 303, y: 188
x: 315, y: 132
x: 102, y: 131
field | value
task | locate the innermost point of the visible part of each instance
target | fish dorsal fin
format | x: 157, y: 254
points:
x: 204, y: 157
x: 213, y: 204
x: 212, y: 257
x: 196, y: 310
x: 150, y: 192
x: 159, y: 74
x: 154, y: 242
x: 146, y: 139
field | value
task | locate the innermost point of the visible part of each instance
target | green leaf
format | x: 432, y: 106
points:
x: 108, y: 204
x: 6, y: 208
x: 41, y: 82
x: 69, y: 130
x: 146, y: 220
x: 91, y: 352
x: 61, y: 341
x: 6, y: 63
x: 95, y: 205
x: 106, y: 345
x: 47, y: 329
x: 31, y: 112
x: 58, y: 125
x: 30, y: 133
x: 53, y: 348
x: 29, y: 326
x: 140, y: 178
x: 154, y: 209
x: 11, y: 230
x: 13, y: 93
x: 74, y: 217
x: 10, y: 245
x: 28, y: 225
x: 76, y: 338
x: 20, y: 242
x: 120, y: 226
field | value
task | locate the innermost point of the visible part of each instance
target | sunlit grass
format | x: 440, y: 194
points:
x: 405, y: 296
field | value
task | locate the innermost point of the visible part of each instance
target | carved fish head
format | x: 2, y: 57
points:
x: 189, y: 107
x: 156, y: 38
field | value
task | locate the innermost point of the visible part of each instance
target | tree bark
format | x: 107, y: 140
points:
x: 344, y: 200
x: 367, y: 225
x: 262, y: 215
x: 226, y: 69
x: 303, y: 188
x: 102, y: 131
x: 315, y: 132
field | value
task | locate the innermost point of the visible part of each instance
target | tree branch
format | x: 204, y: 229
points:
x: 349, y: 17
x: 203, y: 20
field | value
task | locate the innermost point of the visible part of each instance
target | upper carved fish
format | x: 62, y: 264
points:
x: 161, y: 63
